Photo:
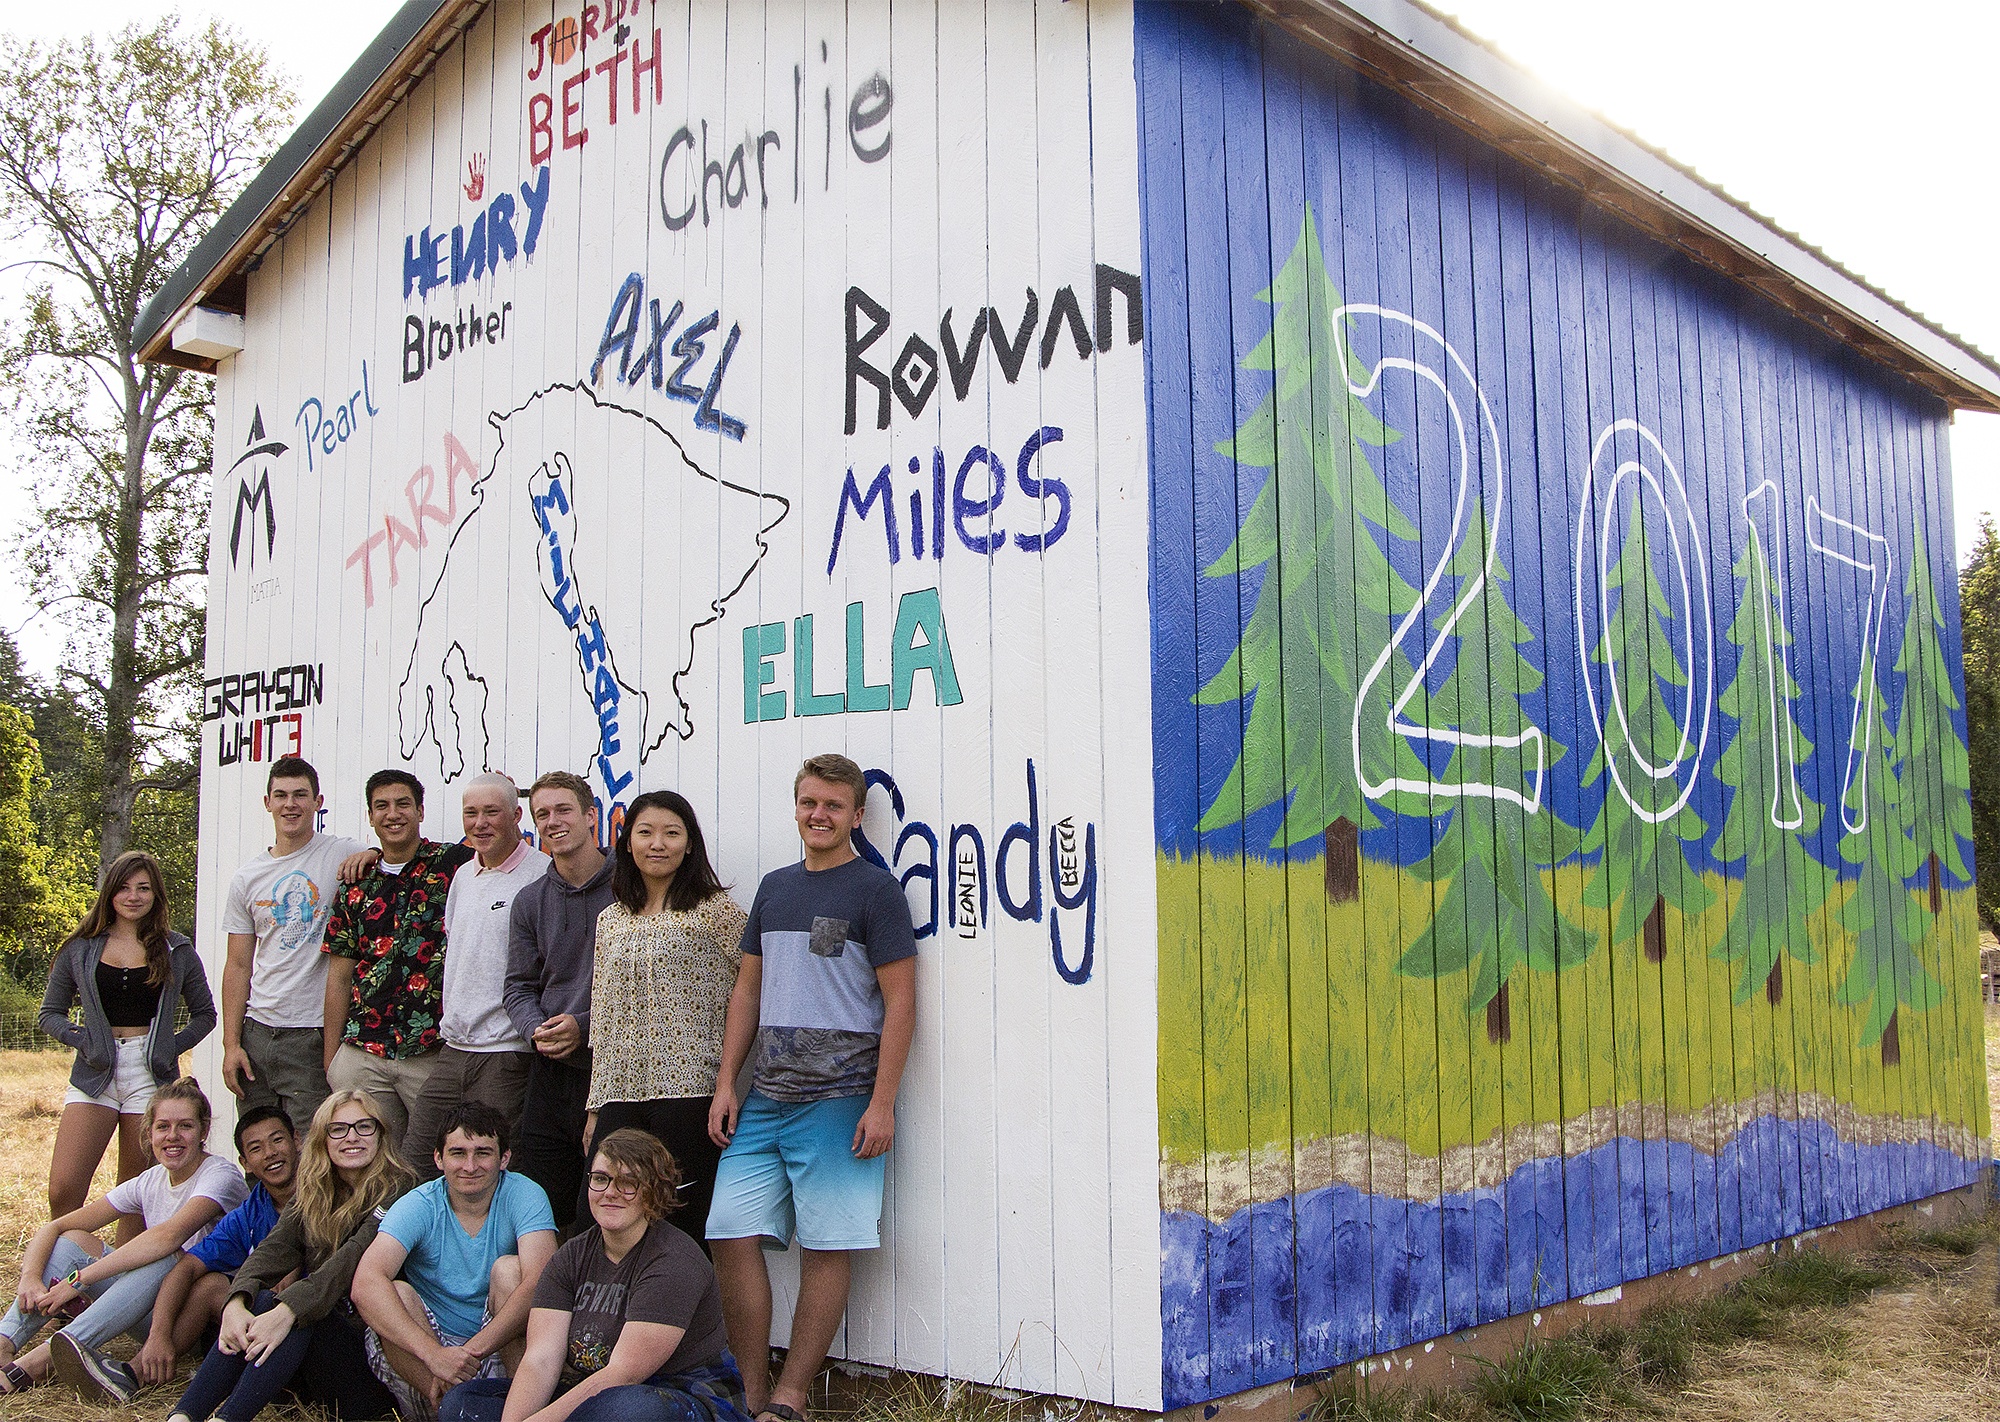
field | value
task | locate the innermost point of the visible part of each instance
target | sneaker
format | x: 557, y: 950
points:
x: 94, y: 1377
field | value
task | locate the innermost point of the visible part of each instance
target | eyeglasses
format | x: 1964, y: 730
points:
x: 340, y: 1130
x: 602, y: 1184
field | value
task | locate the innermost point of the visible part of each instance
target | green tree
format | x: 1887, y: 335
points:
x: 1937, y: 770
x: 1327, y: 587
x: 1783, y: 886
x: 1979, y: 628
x: 1642, y: 865
x: 1495, y: 912
x: 1884, y: 918
x: 115, y: 158
x: 37, y: 908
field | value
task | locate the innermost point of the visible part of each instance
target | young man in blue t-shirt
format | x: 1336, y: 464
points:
x: 470, y: 1247
x: 192, y: 1295
x: 827, y: 996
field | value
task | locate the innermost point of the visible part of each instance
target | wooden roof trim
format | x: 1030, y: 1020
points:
x: 221, y: 283
x: 1416, y: 51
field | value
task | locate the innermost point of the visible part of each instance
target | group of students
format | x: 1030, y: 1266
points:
x: 493, y: 1047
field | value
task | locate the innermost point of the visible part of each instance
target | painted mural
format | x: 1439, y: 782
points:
x: 672, y: 389
x: 1560, y: 794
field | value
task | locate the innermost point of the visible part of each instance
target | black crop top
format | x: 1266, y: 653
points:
x: 129, y: 1000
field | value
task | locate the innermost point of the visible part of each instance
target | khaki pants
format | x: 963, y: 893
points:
x: 289, y: 1075
x: 395, y: 1085
x: 500, y: 1079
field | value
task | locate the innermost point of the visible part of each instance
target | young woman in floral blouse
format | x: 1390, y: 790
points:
x: 667, y: 951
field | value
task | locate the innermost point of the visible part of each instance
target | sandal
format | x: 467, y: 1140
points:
x: 781, y: 1411
x: 15, y: 1379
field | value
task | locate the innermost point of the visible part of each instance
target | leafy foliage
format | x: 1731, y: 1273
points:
x: 39, y: 904
x: 1979, y: 626
x: 115, y: 158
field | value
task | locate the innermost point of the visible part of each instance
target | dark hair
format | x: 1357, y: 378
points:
x: 392, y: 777
x: 257, y: 1116
x: 694, y: 882
x: 103, y: 917
x: 291, y: 767
x: 475, y: 1118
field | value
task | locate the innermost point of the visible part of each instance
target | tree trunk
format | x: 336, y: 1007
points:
x: 121, y: 689
x: 1892, y: 1044
x: 1774, y: 985
x: 1656, y: 931
x: 1499, y: 1020
x: 1343, y: 861
x: 1937, y: 887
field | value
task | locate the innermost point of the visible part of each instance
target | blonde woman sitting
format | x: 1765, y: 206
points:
x: 304, y: 1337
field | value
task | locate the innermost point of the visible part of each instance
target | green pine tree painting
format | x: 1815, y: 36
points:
x: 1783, y: 886
x: 1327, y: 586
x: 1642, y: 864
x: 1885, y: 919
x: 1940, y: 796
x: 1494, y: 909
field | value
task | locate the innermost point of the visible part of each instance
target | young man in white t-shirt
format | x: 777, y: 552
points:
x: 485, y: 1057
x: 274, y: 979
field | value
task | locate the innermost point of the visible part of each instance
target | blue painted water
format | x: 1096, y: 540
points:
x: 1335, y: 1274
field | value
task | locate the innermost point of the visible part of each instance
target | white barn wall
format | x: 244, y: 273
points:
x: 1021, y: 1236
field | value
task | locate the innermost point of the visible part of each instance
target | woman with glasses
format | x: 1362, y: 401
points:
x: 627, y: 1323
x: 304, y: 1336
x: 667, y: 951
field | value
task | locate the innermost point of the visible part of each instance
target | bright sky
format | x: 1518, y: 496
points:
x: 1863, y: 128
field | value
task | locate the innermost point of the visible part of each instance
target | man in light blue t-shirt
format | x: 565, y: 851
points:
x: 470, y: 1247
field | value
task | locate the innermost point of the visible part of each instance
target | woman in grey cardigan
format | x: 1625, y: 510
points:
x: 304, y: 1336
x: 129, y: 970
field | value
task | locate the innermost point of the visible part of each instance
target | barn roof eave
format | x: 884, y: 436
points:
x: 213, y: 273
x: 1402, y: 42
x: 1421, y: 53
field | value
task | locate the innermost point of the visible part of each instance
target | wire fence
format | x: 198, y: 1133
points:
x: 21, y: 1031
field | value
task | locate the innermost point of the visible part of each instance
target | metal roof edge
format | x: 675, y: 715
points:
x: 205, y: 266
x: 1437, y: 42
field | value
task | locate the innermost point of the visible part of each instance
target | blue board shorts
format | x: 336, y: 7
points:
x: 791, y: 1165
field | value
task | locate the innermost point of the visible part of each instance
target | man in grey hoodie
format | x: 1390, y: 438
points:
x: 551, y: 951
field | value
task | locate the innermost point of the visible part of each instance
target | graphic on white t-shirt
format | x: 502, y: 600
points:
x: 296, y: 912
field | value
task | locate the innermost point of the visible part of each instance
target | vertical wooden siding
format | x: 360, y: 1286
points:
x: 1545, y: 1044
x: 996, y: 157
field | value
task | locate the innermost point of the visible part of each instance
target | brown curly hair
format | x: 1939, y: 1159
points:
x: 642, y: 1157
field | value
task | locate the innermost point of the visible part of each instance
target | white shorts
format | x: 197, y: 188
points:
x: 132, y: 1084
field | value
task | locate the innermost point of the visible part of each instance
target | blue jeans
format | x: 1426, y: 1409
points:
x: 711, y: 1393
x: 120, y: 1305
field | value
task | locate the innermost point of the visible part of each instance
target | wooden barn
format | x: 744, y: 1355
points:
x: 1406, y: 647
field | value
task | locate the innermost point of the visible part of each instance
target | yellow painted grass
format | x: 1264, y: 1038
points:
x: 1282, y: 1021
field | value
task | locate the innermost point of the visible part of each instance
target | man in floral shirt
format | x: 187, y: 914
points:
x: 386, y: 938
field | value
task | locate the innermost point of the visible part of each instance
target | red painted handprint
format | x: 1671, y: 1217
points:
x: 475, y: 177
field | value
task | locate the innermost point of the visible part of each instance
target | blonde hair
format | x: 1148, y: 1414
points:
x: 329, y: 1205
x: 185, y: 1089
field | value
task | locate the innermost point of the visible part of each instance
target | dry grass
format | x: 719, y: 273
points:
x: 1923, y: 1349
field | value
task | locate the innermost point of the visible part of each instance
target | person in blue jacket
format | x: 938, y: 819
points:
x: 192, y: 1295
x: 128, y: 970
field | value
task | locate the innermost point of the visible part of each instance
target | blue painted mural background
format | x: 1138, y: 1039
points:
x: 1567, y: 321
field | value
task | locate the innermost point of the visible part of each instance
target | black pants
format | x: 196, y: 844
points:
x: 681, y: 1124
x: 549, y: 1150
x: 318, y: 1362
